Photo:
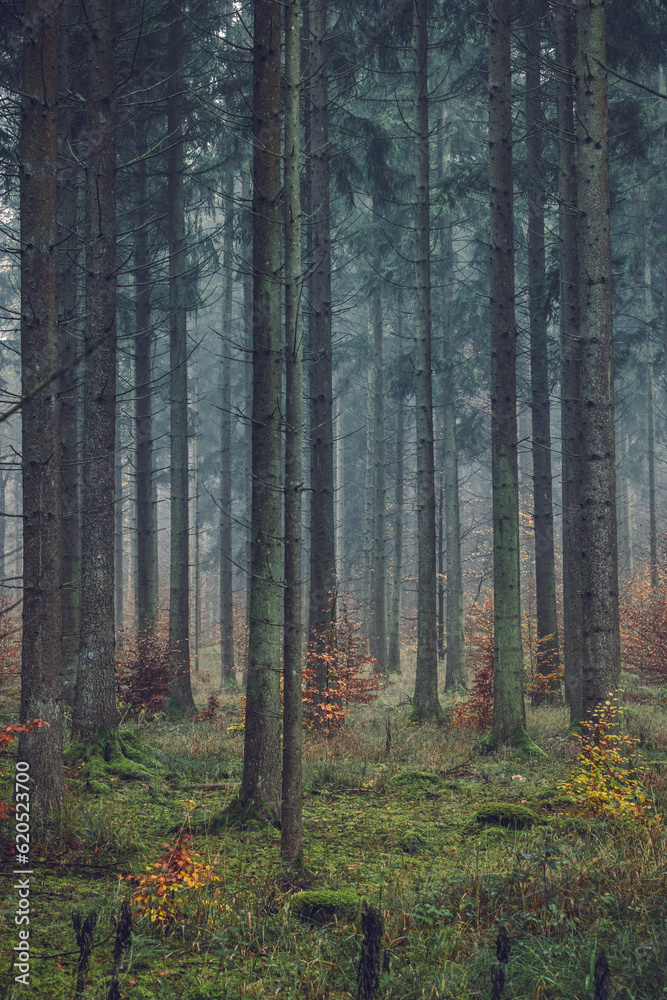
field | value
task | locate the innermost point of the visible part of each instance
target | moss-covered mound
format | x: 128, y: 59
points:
x: 508, y: 814
x: 107, y: 752
x: 323, y: 905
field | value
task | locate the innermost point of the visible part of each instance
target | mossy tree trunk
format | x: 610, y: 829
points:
x: 322, y: 612
x: 146, y: 507
x: 601, y: 663
x: 261, y: 764
x: 508, y: 703
x: 378, y: 631
x: 426, y: 706
x: 95, y: 699
x: 568, y: 229
x: 291, y: 834
x: 180, y: 691
x: 543, y: 516
x: 227, y: 673
x: 41, y: 695
x: 455, y: 670
x: 394, y: 645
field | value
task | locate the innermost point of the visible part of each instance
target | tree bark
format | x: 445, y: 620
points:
x: 68, y: 241
x: 378, y: 634
x: 508, y: 703
x: 426, y: 705
x: 261, y: 765
x: 95, y: 699
x: 291, y: 834
x: 568, y: 230
x: 41, y: 695
x: 147, y: 558
x: 601, y: 662
x: 227, y: 674
x: 455, y: 669
x: 180, y: 691
x: 543, y: 518
x: 394, y: 647
x: 650, y: 417
x: 322, y: 613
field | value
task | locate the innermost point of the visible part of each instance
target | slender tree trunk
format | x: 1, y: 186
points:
x: 68, y: 187
x: 41, y: 695
x: 568, y: 228
x: 341, y: 561
x: 426, y: 705
x: 118, y: 527
x: 441, y: 554
x: 394, y: 650
x: 246, y: 196
x: 322, y: 614
x: 369, y: 510
x: 261, y: 764
x: 147, y: 558
x: 650, y: 415
x: 180, y: 691
x: 601, y: 663
x: 95, y: 699
x: 545, y: 571
x: 508, y: 704
x: 291, y: 834
x: 196, y: 478
x: 625, y: 521
x: 228, y: 674
x: 455, y: 670
x: 378, y: 646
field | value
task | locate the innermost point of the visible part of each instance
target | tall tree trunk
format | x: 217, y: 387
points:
x: 568, y: 229
x: 118, y: 526
x: 650, y: 417
x: 378, y: 634
x: 369, y: 508
x: 394, y: 649
x: 227, y: 674
x: 68, y: 187
x: 455, y: 670
x: 322, y: 611
x: 147, y: 558
x: 426, y: 705
x: 341, y: 491
x: 543, y: 518
x: 180, y: 691
x: 95, y: 699
x: 246, y: 197
x: 41, y: 696
x: 261, y: 764
x: 625, y: 521
x: 508, y: 704
x: 291, y: 834
x: 196, y: 479
x: 601, y: 663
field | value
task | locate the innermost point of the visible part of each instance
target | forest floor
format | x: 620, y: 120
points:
x: 396, y: 825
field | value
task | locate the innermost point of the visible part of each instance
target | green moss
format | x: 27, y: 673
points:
x: 106, y: 752
x: 415, y: 778
x: 322, y: 905
x: 572, y: 824
x: 243, y: 814
x: 488, y: 744
x: 412, y: 842
x: 522, y: 742
x: 508, y: 814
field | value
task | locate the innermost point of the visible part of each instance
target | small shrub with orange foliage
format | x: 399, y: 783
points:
x: 142, y: 672
x: 476, y: 712
x: 167, y: 892
x: 346, y: 656
x: 643, y: 616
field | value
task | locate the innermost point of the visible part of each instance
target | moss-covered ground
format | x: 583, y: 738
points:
x: 401, y: 829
